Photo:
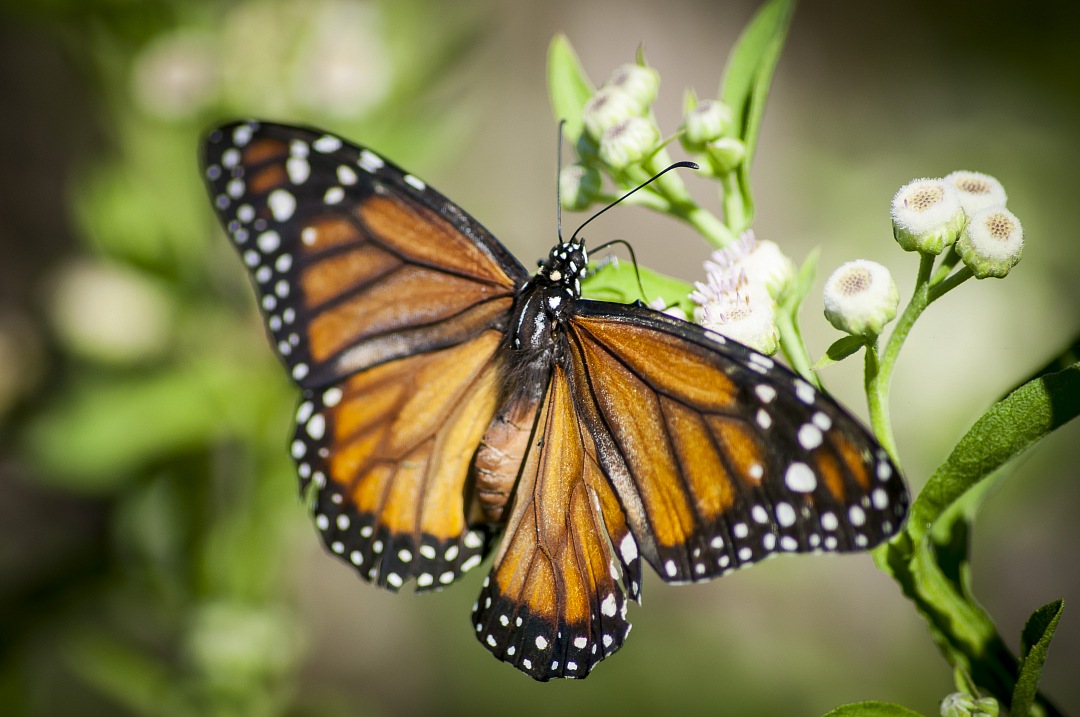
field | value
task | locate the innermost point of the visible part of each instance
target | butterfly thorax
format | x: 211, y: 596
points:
x: 548, y: 297
x: 534, y: 347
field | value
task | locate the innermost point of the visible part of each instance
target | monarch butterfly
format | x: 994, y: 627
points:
x: 449, y: 396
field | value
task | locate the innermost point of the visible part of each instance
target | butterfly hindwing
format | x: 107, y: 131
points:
x: 719, y: 456
x: 553, y: 605
x: 355, y: 261
x: 389, y: 451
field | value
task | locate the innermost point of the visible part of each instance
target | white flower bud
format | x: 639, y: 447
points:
x: 628, y: 142
x: 927, y: 216
x: 176, y: 75
x: 959, y: 704
x: 860, y: 298
x: 991, y: 243
x: 977, y: 191
x: 579, y: 186
x: 708, y: 121
x: 725, y: 154
x: 607, y: 108
x: 111, y: 313
x: 638, y: 81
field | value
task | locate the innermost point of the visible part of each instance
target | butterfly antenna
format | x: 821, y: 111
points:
x: 558, y: 189
x: 646, y: 183
x: 633, y: 259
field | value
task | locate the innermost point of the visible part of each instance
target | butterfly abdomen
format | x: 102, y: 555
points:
x: 499, y: 458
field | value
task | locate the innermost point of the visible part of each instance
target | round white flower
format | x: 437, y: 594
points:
x: 992, y: 242
x: 927, y: 215
x: 977, y: 191
x: 860, y: 298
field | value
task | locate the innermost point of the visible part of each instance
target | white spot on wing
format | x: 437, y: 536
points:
x: 298, y: 169
x: 800, y: 478
x: 326, y: 144
x: 282, y: 204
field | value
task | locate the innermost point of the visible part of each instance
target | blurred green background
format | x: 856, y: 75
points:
x: 154, y: 557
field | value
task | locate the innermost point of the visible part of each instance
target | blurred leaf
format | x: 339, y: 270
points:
x: 1034, y: 644
x: 872, y: 709
x: 1010, y: 427
x: 146, y: 206
x: 804, y: 282
x: 840, y: 350
x: 103, y: 431
x: 787, y: 318
x: 745, y: 87
x: 124, y: 672
x: 569, y: 87
x: 617, y: 281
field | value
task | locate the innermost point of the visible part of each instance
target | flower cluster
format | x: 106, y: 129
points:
x: 709, y: 131
x: 617, y: 118
x: 739, y: 295
x: 965, y: 210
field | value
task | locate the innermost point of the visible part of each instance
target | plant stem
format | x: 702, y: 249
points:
x: 936, y: 292
x: 879, y: 369
x: 877, y: 401
x: 734, y: 204
x: 682, y: 205
x: 791, y: 343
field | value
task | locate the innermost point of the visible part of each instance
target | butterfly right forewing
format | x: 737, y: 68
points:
x: 720, y: 456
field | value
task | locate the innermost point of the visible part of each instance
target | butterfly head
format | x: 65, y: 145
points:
x: 565, y: 266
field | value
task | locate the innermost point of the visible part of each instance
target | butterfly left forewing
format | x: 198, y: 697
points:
x: 553, y: 604
x: 719, y: 456
x: 355, y: 261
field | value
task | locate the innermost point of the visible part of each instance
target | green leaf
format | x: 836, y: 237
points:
x: 872, y: 709
x: 617, y: 281
x: 1034, y: 644
x: 568, y: 86
x: 840, y: 350
x: 746, y: 83
x: 1010, y: 427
